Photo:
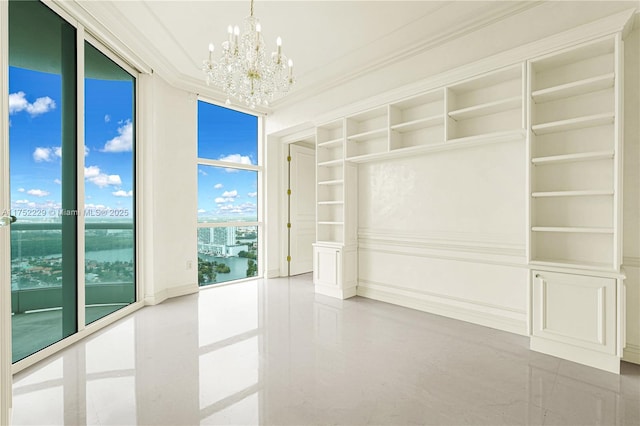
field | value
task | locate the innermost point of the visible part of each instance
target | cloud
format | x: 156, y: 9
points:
x: 236, y: 158
x: 202, y: 211
x: 202, y: 172
x: 21, y: 202
x: 37, y: 192
x: 20, y: 189
x: 95, y: 175
x: 252, y: 194
x: 122, y: 193
x: 58, y: 181
x: 123, y: 142
x: 218, y: 186
x: 237, y: 209
x: 227, y: 197
x: 46, y: 154
x: 42, y: 154
x: 18, y: 102
x: 107, y: 118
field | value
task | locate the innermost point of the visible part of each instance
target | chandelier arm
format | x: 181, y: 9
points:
x: 251, y: 8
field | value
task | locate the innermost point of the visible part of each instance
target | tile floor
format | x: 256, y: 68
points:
x: 272, y: 352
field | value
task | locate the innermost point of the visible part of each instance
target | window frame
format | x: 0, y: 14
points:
x: 84, y: 34
x: 259, y: 169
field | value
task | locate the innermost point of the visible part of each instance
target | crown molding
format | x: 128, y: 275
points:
x: 97, y: 29
x: 479, y: 22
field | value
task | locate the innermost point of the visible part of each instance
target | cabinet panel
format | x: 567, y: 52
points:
x: 327, y: 264
x: 578, y: 310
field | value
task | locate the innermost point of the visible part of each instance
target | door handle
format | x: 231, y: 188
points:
x: 7, y: 220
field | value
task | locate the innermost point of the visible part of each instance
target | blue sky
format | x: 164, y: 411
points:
x: 35, y: 140
x: 227, y: 135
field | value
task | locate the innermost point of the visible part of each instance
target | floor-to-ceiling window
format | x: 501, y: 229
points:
x: 109, y: 237
x: 228, y: 193
x: 51, y: 195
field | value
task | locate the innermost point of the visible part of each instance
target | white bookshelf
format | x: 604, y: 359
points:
x: 575, y: 168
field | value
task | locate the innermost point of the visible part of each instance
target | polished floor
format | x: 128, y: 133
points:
x: 272, y: 352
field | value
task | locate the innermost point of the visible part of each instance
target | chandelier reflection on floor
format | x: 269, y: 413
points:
x: 244, y: 71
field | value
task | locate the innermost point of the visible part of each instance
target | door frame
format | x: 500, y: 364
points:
x: 277, y: 168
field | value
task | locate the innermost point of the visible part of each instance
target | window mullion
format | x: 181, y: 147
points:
x: 80, y: 181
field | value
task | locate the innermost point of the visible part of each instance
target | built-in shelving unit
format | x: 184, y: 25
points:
x: 575, y: 170
x: 574, y: 155
x: 334, y: 250
x: 481, y: 110
x: 330, y: 188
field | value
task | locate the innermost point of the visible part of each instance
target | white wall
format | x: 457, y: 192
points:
x: 446, y: 233
x: 169, y: 190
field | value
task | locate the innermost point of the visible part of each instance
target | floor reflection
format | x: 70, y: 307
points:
x: 273, y: 352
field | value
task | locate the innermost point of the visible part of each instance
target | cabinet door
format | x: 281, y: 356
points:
x: 578, y: 310
x: 327, y: 266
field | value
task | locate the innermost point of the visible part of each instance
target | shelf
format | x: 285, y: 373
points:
x: 450, y: 145
x: 486, y: 109
x: 573, y: 123
x: 371, y: 134
x: 574, y: 230
x: 587, y: 193
x: 569, y: 158
x: 575, y: 88
x: 329, y: 203
x: 493, y: 137
x: 331, y: 223
x: 331, y: 163
x: 331, y: 143
x: 331, y: 182
x: 421, y: 123
x: 559, y: 263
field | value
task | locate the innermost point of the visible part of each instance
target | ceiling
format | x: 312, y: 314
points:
x: 330, y: 42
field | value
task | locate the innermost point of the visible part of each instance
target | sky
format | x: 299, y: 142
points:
x: 35, y: 145
x: 225, y: 193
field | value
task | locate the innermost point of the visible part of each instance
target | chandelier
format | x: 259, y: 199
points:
x: 244, y: 70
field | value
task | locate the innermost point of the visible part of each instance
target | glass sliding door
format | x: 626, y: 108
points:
x: 43, y: 173
x: 109, y: 185
x: 59, y: 187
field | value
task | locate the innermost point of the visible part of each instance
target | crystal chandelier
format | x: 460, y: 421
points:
x: 244, y: 71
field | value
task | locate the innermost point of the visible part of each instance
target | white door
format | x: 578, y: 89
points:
x: 5, y: 250
x: 302, y: 209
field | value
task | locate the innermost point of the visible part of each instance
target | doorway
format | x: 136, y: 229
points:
x: 301, y: 213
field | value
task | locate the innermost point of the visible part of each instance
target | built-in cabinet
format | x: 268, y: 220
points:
x: 566, y: 107
x: 334, y: 253
x: 575, y: 98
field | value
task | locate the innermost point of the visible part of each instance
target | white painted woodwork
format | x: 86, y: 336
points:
x: 302, y: 209
x: 534, y: 147
x: 5, y: 246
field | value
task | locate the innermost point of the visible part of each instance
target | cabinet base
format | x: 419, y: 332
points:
x: 338, y: 293
x: 606, y: 362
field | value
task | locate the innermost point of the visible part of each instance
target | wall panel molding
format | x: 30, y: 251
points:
x: 489, y: 315
x: 497, y: 249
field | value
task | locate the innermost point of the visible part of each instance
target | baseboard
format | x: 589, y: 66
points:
x: 338, y: 293
x: 169, y: 293
x: 631, y: 353
x: 273, y: 273
x: 602, y: 361
x: 495, y: 319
